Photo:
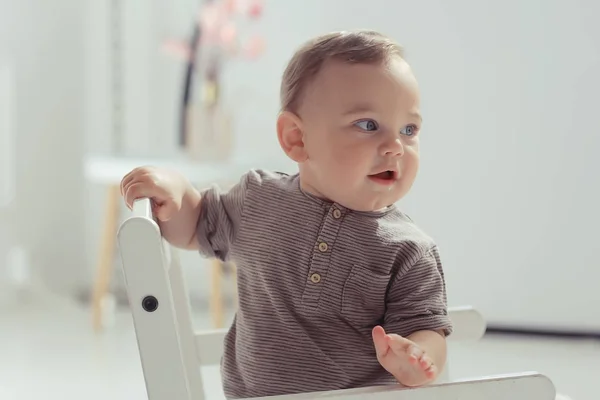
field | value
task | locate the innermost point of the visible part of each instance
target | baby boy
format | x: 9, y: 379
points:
x: 337, y: 287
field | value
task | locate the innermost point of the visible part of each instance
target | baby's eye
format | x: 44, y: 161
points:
x: 367, y: 125
x: 409, y: 130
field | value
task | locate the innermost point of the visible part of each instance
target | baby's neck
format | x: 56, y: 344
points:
x: 307, y: 187
x: 311, y: 189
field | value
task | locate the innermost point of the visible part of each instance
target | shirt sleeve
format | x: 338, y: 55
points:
x: 417, y: 298
x: 220, y: 217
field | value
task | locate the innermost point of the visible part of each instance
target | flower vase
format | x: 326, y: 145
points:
x: 210, y: 134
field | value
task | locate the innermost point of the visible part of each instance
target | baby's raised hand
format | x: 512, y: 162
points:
x: 166, y: 188
x: 403, y: 358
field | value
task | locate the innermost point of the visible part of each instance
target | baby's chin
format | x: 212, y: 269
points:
x: 382, y: 196
x: 363, y: 196
x: 378, y: 201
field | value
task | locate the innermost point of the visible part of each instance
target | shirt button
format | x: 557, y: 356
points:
x: 323, y: 247
x: 315, y: 278
x: 337, y: 214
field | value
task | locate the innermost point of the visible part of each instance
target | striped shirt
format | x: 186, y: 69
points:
x: 314, y: 278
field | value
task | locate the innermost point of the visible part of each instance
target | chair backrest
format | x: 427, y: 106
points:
x: 160, y: 309
x: 171, y: 353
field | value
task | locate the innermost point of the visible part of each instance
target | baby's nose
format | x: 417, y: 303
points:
x: 393, y: 148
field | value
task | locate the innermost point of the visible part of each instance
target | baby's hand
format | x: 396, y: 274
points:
x: 403, y: 359
x: 164, y: 187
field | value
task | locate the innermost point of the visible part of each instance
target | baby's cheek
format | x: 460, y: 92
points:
x: 338, y: 158
x: 410, y: 160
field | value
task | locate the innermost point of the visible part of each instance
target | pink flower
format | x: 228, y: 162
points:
x: 256, y: 8
x: 254, y: 47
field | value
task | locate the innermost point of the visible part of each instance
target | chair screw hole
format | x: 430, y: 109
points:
x: 150, y: 303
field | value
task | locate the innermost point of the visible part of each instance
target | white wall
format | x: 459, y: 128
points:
x: 151, y: 84
x: 43, y: 43
x: 508, y: 185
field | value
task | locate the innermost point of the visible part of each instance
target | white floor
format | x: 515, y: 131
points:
x: 48, y: 351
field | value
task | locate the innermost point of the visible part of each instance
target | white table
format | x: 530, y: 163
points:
x: 109, y: 171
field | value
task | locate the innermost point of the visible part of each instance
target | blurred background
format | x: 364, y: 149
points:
x: 509, y: 184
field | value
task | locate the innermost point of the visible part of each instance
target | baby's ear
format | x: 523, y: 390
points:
x: 291, y: 137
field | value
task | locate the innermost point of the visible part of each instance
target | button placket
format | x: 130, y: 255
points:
x: 317, y: 274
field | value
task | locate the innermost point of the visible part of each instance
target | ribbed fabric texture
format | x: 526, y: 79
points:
x: 314, y: 278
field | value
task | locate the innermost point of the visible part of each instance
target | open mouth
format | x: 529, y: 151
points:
x: 384, y: 176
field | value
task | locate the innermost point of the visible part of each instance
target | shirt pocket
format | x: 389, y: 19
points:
x: 363, y: 297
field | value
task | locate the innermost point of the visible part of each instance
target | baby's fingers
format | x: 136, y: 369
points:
x: 128, y: 179
x: 131, y: 192
x: 415, y: 354
x: 380, y: 342
x: 404, y: 347
x: 138, y: 190
x: 431, y: 372
x: 408, y: 349
x: 428, y: 366
x: 165, y: 210
x: 425, y: 362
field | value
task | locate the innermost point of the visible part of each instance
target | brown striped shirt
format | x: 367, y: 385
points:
x: 314, y: 278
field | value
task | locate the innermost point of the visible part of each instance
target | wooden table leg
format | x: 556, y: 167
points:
x: 216, y: 295
x: 106, y: 255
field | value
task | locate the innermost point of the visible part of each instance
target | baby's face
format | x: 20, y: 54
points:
x: 360, y: 125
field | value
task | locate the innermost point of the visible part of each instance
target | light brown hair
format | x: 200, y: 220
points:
x: 361, y: 47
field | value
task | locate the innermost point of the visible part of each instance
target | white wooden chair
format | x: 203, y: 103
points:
x: 172, y: 354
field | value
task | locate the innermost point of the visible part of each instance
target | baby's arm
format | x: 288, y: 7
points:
x: 220, y: 216
x: 207, y: 221
x: 180, y: 230
x: 411, y: 344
